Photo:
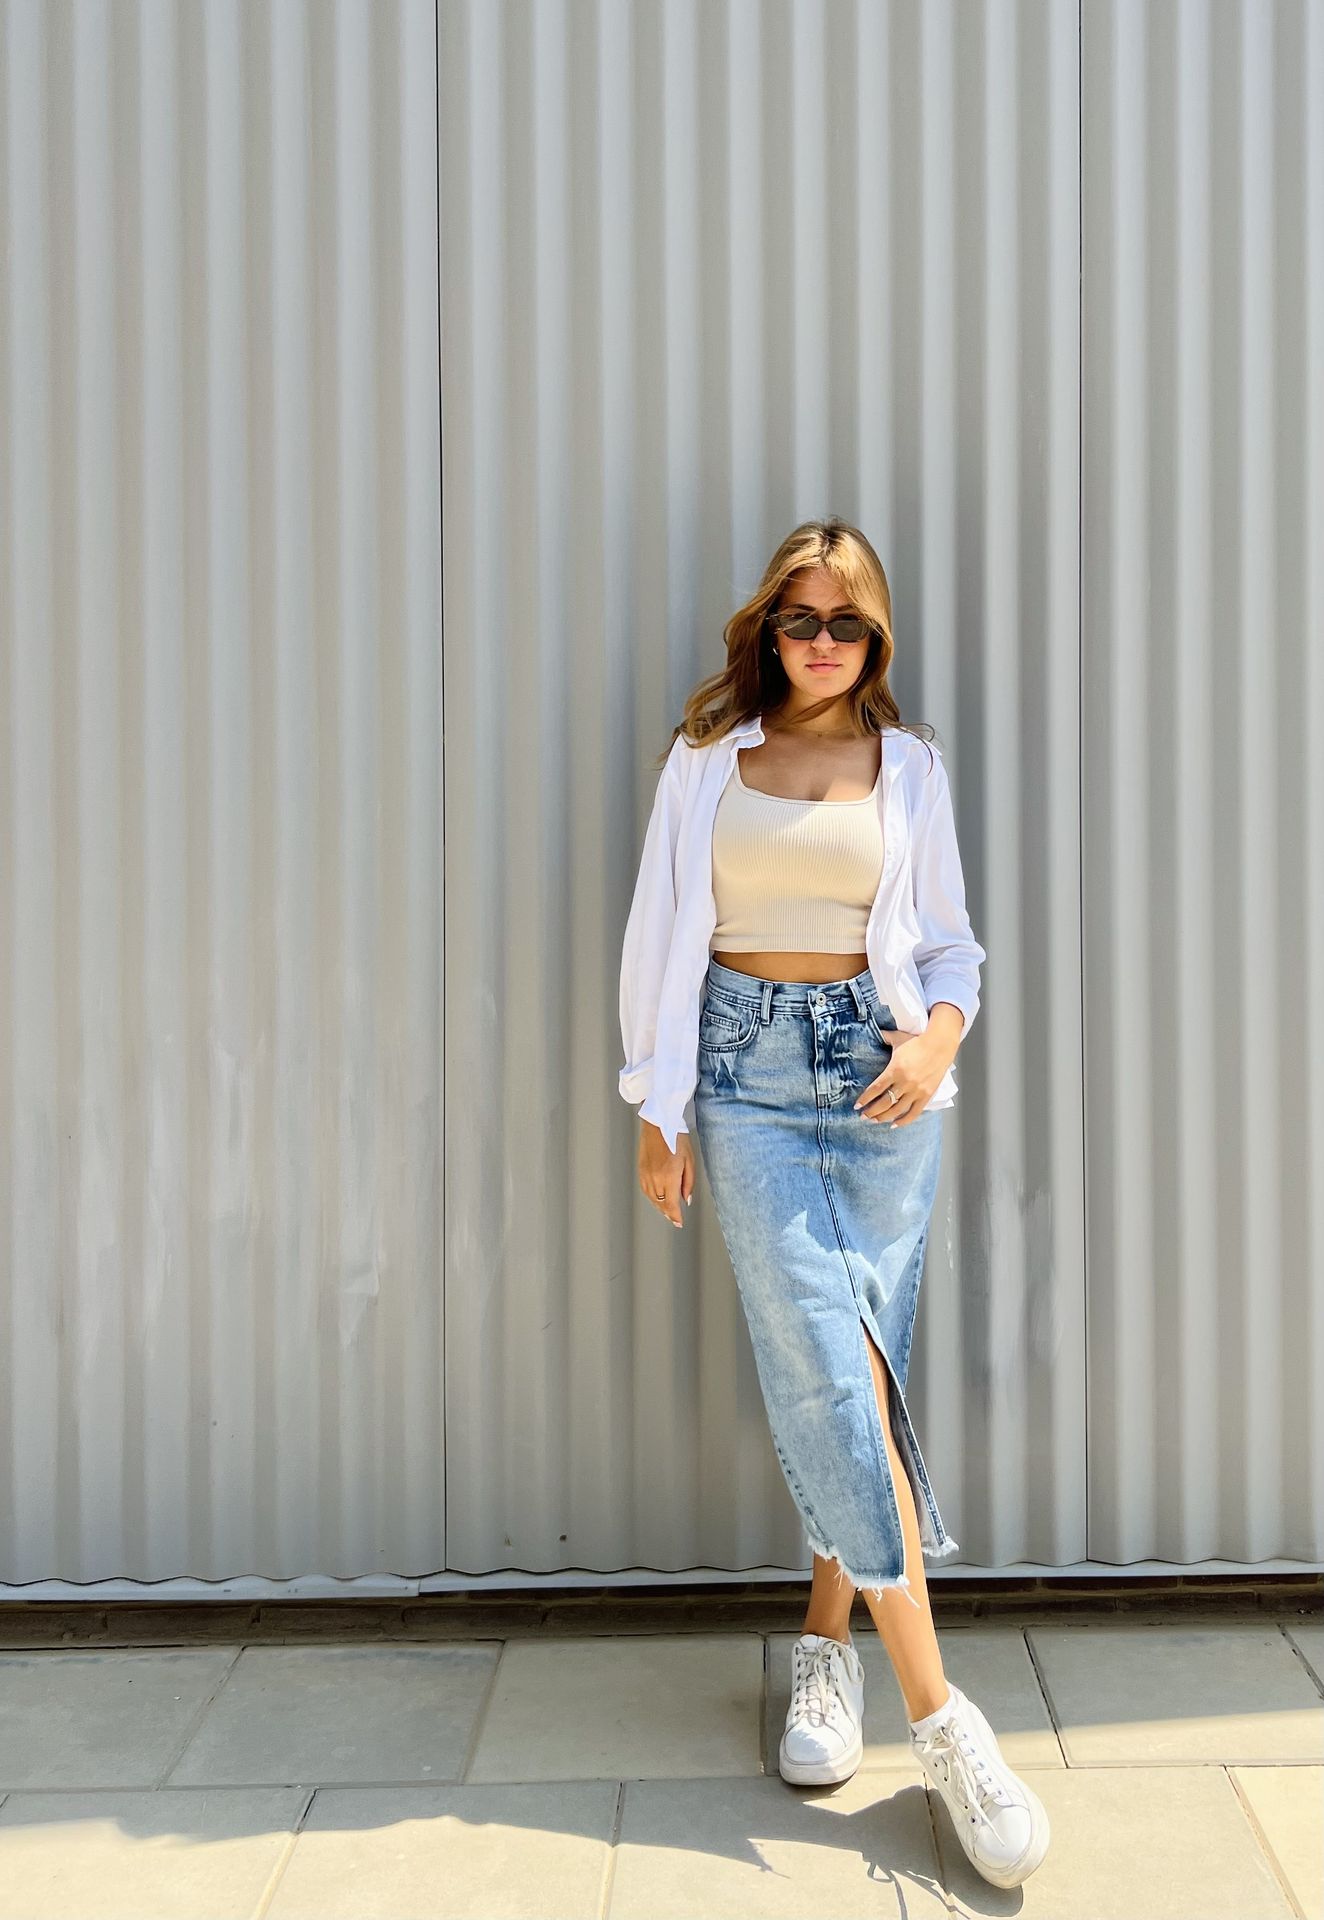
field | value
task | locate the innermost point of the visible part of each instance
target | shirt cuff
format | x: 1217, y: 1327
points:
x: 652, y: 1110
x: 636, y: 1082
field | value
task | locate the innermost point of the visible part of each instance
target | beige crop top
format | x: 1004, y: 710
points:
x: 794, y: 876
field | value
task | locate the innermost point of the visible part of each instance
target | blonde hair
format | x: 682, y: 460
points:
x: 754, y: 680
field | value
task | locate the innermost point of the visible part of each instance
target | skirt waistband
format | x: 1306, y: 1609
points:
x: 855, y: 994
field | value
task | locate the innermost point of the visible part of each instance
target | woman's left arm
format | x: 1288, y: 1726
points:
x: 948, y: 957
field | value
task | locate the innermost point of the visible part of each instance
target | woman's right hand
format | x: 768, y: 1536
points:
x: 665, y: 1178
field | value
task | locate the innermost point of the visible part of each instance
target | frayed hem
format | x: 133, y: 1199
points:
x: 874, y: 1588
x: 949, y: 1546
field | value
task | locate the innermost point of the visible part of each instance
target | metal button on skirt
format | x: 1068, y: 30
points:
x: 825, y: 1215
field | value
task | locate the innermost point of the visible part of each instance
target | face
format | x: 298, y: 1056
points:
x: 820, y: 667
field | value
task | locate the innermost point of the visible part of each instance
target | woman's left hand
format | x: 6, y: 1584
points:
x: 913, y: 1074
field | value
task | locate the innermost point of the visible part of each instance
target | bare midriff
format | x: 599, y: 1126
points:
x: 811, y: 968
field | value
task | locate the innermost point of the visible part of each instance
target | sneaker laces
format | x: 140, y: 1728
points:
x: 977, y: 1785
x: 815, y: 1684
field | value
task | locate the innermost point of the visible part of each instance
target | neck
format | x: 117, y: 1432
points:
x: 822, y: 728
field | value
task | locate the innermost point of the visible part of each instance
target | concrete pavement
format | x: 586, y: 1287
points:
x: 631, y: 1775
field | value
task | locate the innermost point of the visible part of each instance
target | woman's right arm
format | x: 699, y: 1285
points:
x: 648, y: 932
x: 665, y: 1178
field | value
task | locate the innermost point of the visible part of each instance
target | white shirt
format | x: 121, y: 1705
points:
x: 918, y: 937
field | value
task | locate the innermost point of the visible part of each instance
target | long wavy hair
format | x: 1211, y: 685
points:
x: 754, y: 679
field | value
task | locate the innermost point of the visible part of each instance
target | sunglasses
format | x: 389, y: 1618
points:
x: 844, y: 627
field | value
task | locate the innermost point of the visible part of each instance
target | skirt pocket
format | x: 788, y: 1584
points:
x: 726, y: 1028
x: 882, y: 1025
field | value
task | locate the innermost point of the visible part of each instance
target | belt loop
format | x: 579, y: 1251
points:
x: 765, y: 1010
x: 860, y: 997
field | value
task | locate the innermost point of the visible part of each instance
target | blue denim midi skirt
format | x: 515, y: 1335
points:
x: 825, y: 1215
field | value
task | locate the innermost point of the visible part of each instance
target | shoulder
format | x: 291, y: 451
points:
x: 679, y: 762
x: 923, y: 775
x: 919, y: 760
x: 685, y: 757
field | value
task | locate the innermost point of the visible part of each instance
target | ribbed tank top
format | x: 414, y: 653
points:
x: 794, y: 876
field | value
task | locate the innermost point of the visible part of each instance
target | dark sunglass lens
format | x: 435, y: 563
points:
x: 845, y: 627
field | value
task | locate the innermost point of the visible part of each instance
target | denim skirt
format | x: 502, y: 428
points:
x: 825, y: 1214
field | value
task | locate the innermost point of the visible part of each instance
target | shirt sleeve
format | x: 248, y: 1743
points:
x: 648, y: 931
x: 948, y: 957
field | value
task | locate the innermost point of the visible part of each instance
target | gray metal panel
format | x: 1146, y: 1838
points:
x: 220, y: 847
x: 1203, y: 680
x: 708, y: 270
x: 673, y: 324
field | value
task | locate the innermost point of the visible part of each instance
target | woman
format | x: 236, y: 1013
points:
x: 798, y: 957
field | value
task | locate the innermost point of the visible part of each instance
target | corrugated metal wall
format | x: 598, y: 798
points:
x: 707, y: 270
x: 1202, y: 674
x: 985, y: 278
x: 220, y: 851
x: 710, y: 269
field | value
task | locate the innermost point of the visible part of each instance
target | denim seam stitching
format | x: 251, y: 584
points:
x: 942, y: 1543
x: 902, y: 1579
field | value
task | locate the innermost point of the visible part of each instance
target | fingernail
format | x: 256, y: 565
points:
x: 688, y: 1198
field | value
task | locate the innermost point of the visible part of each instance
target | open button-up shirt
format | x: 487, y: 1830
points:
x: 918, y: 938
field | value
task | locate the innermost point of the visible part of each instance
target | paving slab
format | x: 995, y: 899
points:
x: 645, y: 1706
x: 350, y: 1714
x: 113, y: 1717
x: 992, y: 1664
x: 1134, y: 1843
x: 1137, y: 1694
x: 1309, y: 1637
x: 451, y: 1853
x: 1287, y: 1806
x: 743, y: 1849
x: 165, y: 1855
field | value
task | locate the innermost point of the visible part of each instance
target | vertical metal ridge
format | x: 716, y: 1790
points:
x: 1188, y: 1421
x: 1305, y: 1381
x: 1259, y: 1479
x: 35, y: 1267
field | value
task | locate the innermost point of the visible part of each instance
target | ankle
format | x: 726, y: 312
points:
x: 835, y: 1632
x: 928, y: 1702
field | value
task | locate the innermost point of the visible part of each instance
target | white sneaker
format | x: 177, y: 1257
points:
x: 999, y: 1820
x: 824, y: 1736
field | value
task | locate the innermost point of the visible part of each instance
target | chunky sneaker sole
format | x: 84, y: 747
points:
x: 1000, y: 1821
x: 823, y: 1740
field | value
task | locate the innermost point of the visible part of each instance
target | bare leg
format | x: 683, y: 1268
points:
x: 907, y: 1631
x: 830, y: 1601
